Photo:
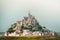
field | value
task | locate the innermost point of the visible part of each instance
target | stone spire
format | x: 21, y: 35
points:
x: 29, y: 14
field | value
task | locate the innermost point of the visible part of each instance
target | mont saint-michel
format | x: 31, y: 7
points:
x: 28, y: 26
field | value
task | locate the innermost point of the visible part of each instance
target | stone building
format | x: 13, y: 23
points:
x: 30, y: 20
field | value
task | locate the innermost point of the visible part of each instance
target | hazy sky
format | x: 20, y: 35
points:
x: 47, y: 12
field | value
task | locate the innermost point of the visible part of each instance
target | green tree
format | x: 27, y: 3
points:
x: 37, y: 27
x: 21, y: 29
x: 10, y: 30
x: 14, y: 25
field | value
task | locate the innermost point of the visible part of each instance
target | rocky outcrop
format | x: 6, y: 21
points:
x: 28, y: 26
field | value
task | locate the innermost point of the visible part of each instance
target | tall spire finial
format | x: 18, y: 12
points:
x: 29, y: 13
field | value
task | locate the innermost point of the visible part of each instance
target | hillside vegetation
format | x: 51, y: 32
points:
x: 29, y: 38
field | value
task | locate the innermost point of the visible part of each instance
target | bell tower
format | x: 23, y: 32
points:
x: 29, y: 15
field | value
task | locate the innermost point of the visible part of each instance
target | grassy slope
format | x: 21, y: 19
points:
x: 29, y: 38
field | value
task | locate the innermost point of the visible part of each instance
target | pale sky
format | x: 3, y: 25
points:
x: 47, y: 12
